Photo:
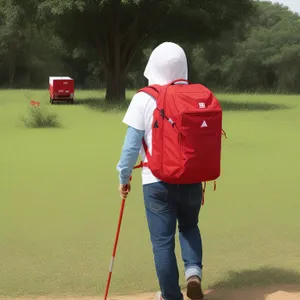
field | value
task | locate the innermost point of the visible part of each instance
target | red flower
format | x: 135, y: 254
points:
x: 34, y: 103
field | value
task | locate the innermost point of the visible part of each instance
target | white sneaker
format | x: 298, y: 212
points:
x: 158, y: 296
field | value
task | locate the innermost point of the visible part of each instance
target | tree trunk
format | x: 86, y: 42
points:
x: 115, y: 70
x: 118, y: 53
x: 11, y: 62
x: 115, y: 86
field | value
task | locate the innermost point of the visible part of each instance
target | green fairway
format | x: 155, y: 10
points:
x: 59, y: 203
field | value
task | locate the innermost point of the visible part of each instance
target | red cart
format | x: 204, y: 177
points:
x: 61, y: 89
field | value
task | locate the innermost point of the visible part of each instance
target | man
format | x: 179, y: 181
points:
x: 165, y: 204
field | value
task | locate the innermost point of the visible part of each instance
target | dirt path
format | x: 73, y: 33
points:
x: 282, y: 292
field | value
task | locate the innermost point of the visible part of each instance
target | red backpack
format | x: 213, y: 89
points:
x: 186, y: 133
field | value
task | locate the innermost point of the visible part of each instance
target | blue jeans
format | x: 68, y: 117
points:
x: 165, y: 204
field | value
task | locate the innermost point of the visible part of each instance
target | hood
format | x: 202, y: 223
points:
x: 167, y: 63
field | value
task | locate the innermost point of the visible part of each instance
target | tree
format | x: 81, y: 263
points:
x: 119, y: 29
x: 17, y: 29
x: 27, y: 52
x: 269, y: 59
x: 11, y: 38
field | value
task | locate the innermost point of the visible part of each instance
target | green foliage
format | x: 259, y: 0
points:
x: 118, y: 30
x: 265, y: 59
x: 269, y: 59
x: 40, y: 118
x: 231, y: 45
x: 27, y: 51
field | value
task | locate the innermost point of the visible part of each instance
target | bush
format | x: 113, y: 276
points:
x: 40, y: 118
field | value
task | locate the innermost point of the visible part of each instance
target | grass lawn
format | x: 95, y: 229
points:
x: 59, y: 203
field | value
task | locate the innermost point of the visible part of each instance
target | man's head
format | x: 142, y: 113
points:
x: 167, y: 63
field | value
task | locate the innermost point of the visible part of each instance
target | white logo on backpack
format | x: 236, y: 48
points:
x: 201, y: 105
x: 204, y: 124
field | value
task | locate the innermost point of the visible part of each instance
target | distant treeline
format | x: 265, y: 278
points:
x: 263, y: 55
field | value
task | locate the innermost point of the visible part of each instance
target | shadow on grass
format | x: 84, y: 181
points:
x: 255, y: 284
x: 227, y: 105
x: 260, y: 277
x: 101, y: 105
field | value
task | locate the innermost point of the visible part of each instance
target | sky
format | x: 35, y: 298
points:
x: 293, y: 5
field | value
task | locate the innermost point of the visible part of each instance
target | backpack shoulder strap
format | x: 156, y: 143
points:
x: 152, y: 90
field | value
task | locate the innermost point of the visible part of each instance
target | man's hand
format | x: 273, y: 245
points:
x: 124, y: 189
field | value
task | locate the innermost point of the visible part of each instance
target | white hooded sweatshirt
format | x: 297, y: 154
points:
x: 167, y: 63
